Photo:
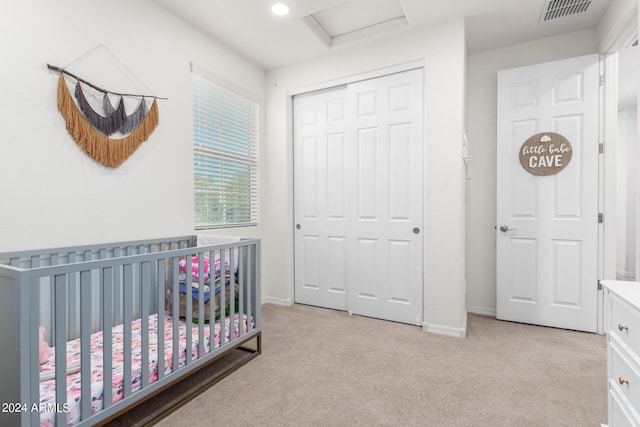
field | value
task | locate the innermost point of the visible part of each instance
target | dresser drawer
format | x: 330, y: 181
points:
x: 619, y: 414
x: 624, y: 381
x: 625, y: 323
x: 622, y: 321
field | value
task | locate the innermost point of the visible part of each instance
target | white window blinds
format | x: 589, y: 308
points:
x: 225, y: 153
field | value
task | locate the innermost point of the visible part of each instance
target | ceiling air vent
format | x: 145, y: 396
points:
x: 554, y: 9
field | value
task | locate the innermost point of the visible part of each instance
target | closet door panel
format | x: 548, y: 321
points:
x: 320, y: 193
x: 386, y: 283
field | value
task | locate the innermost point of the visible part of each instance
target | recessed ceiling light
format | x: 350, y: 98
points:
x: 280, y: 9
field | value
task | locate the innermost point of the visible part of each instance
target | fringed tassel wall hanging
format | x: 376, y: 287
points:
x: 91, y: 130
x: 108, y: 124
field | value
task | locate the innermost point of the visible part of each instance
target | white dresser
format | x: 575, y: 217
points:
x: 622, y: 323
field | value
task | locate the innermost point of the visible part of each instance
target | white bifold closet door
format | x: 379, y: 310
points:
x: 358, y: 180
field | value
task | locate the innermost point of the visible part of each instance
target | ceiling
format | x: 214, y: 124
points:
x: 316, y: 27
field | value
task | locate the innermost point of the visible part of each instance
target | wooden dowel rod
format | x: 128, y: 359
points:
x: 62, y: 70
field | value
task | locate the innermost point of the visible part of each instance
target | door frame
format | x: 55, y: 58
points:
x: 405, y: 66
x: 620, y: 36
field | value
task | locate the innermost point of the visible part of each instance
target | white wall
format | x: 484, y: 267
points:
x: 616, y: 30
x: 627, y: 151
x: 627, y: 190
x: 52, y: 194
x: 482, y: 68
x: 442, y: 49
x: 618, y: 24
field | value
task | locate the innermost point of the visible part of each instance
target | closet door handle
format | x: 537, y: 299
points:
x: 622, y: 328
x: 416, y: 230
x: 622, y: 381
x: 298, y: 226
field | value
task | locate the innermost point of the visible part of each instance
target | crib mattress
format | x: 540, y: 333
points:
x: 47, y: 383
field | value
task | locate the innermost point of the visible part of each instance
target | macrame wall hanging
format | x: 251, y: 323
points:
x: 109, y: 135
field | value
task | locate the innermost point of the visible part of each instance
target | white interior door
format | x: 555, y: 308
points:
x: 358, y: 197
x: 547, y: 225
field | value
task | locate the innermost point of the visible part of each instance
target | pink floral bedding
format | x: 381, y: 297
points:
x: 47, y: 372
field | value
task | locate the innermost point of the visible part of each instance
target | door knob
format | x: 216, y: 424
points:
x: 505, y: 228
x: 416, y: 230
x: 298, y: 226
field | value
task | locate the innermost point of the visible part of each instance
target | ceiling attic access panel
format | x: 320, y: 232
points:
x: 356, y: 19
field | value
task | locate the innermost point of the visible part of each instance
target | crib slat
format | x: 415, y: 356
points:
x: 85, y: 344
x: 161, y: 295
x: 34, y: 362
x: 73, y: 327
x: 128, y: 295
x: 255, y: 293
x: 107, y: 325
x: 174, y: 317
x: 189, y: 310
x: 153, y: 288
x: 60, y: 288
x: 250, y: 279
x: 145, y: 287
x: 201, y: 313
x: 223, y: 278
x: 232, y: 285
x: 117, y: 298
x: 242, y: 269
x: 211, y: 312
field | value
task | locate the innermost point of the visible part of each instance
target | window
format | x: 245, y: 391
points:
x: 225, y: 153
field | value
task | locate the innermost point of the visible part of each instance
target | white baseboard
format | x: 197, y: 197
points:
x: 277, y: 301
x: 436, y: 329
x: 446, y: 330
x: 482, y: 311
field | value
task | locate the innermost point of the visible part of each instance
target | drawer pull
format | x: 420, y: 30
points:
x: 622, y: 328
x: 622, y: 381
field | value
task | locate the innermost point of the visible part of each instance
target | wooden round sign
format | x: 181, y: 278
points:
x: 545, y: 153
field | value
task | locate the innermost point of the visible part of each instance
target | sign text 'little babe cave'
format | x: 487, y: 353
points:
x: 545, y: 153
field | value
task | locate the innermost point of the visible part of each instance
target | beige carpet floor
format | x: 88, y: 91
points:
x: 325, y: 368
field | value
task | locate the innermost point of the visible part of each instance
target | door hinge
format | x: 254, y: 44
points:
x: 602, y: 78
x: 601, y: 148
x: 600, y: 218
x: 599, y: 285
